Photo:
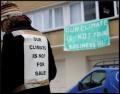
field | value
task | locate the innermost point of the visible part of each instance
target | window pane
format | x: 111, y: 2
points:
x: 106, y: 9
x: 50, y: 18
x: 47, y: 19
x: 30, y: 15
x: 37, y: 23
x: 75, y: 13
x: 36, y: 19
x: 98, y: 78
x: 117, y: 7
x: 86, y: 83
x: 58, y: 17
x: 89, y: 10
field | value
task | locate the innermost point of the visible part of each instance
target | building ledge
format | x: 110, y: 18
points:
x: 62, y: 27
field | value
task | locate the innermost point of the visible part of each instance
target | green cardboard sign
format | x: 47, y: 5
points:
x: 86, y: 36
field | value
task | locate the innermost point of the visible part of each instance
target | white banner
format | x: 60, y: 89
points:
x: 35, y: 60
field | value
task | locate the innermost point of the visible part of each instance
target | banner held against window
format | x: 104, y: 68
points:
x: 86, y: 36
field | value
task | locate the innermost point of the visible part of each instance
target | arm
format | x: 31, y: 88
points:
x: 8, y: 55
x: 52, y: 66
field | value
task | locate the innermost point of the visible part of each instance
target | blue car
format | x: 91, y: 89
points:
x: 99, y: 80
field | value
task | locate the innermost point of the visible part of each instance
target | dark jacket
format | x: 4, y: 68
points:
x: 13, y: 65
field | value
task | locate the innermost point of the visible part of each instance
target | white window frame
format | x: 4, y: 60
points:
x: 32, y: 15
x: 115, y: 11
x: 82, y: 9
x: 53, y: 20
x: 42, y: 21
x: 42, y: 11
x: 66, y: 14
x: 97, y: 10
x: 115, y: 8
x: 54, y: 16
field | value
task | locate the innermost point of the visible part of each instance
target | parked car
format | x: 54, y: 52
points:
x: 99, y: 80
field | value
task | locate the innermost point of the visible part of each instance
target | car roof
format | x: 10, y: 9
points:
x: 101, y: 69
x: 106, y: 69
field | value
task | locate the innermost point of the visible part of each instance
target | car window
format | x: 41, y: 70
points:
x: 98, y: 78
x: 86, y: 82
x: 95, y: 79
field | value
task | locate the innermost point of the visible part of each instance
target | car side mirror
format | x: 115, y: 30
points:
x: 80, y: 85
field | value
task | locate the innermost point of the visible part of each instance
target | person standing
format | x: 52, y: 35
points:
x: 15, y: 54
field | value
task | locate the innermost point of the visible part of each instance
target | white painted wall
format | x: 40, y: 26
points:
x: 76, y: 68
x: 58, y: 84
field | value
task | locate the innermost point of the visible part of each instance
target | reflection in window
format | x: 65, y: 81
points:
x: 106, y: 9
x: 98, y: 78
x: 94, y: 80
x: 75, y: 13
x: 86, y: 82
x: 58, y: 17
x: 89, y: 10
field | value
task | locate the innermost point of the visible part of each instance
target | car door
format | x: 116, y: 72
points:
x: 93, y: 83
x: 114, y: 81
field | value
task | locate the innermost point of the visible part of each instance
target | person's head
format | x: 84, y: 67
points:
x: 11, y: 17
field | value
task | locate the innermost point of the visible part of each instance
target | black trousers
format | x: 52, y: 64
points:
x: 38, y: 90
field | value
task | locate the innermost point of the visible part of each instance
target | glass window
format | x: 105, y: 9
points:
x: 106, y: 9
x: 37, y: 21
x: 47, y: 19
x: 86, y: 82
x: 98, y: 78
x: 117, y: 3
x: 89, y: 10
x: 58, y: 17
x: 30, y: 15
x: 75, y: 13
x: 94, y: 80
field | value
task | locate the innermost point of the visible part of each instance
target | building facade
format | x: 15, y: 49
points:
x: 50, y: 17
